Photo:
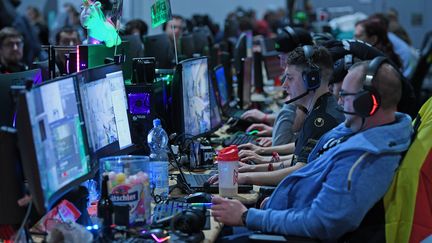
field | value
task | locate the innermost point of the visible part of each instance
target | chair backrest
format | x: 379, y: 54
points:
x: 404, y: 214
x: 408, y: 202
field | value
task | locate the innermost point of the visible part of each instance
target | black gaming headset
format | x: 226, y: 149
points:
x: 291, y: 32
x: 367, y: 102
x: 312, y: 73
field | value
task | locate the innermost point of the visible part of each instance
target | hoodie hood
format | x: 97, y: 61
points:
x: 390, y: 138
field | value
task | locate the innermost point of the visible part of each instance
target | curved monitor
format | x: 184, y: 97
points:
x: 52, y: 142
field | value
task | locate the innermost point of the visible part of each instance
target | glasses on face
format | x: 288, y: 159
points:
x: 343, y: 94
x: 12, y: 44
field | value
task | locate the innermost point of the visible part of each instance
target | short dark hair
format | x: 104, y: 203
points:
x: 136, y: 24
x: 66, y: 29
x: 9, y: 32
x: 321, y: 57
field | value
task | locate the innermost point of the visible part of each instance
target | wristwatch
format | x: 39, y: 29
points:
x: 243, y: 217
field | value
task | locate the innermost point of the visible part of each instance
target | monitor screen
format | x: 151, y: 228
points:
x: 196, y: 98
x: 104, y: 104
x: 61, y: 155
x: 222, y: 85
x: 216, y: 119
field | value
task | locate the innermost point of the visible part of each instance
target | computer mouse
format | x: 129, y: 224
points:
x: 253, y: 132
x: 199, y: 197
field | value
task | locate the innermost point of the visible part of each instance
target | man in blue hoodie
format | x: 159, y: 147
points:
x: 349, y: 170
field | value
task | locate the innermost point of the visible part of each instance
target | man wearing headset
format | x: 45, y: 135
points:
x: 349, y: 170
x: 307, y: 74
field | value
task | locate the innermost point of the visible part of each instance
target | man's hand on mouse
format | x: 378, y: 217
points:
x: 263, y: 129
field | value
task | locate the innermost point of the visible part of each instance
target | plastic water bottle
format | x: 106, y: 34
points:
x: 157, y: 140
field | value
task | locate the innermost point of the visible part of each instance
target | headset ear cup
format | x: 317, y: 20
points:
x: 366, y: 103
x: 189, y: 221
x: 311, y: 78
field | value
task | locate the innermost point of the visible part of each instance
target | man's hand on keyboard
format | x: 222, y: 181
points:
x: 264, y: 142
x: 243, y: 167
x: 252, y: 147
x: 248, y: 155
x: 263, y: 129
x: 214, y: 179
x: 253, y: 115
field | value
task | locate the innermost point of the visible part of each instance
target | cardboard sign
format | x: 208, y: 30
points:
x: 160, y: 12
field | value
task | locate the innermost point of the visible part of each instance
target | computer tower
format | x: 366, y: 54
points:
x: 141, y: 113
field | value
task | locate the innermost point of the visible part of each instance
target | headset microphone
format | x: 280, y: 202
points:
x: 340, y: 109
x: 297, y: 98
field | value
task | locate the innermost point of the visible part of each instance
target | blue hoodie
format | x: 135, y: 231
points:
x: 319, y: 200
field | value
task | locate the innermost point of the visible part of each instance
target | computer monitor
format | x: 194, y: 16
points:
x: 202, y: 40
x: 227, y: 64
x: 94, y: 55
x: 268, y: 45
x: 258, y: 79
x: 7, y: 107
x: 159, y: 46
x: 273, y: 66
x: 215, y: 111
x: 195, y: 96
x: 222, y: 85
x: 240, y: 52
x: 52, y: 142
x: 187, y: 46
x: 104, y: 104
x: 245, y: 84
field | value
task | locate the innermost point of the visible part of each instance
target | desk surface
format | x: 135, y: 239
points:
x: 215, y: 227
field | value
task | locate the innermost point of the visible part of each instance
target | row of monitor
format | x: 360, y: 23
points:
x: 66, y: 124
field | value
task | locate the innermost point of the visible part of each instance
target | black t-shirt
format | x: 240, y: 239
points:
x: 19, y: 67
x: 323, y: 117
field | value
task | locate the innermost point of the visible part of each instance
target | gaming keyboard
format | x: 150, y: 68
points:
x: 234, y: 112
x: 165, y: 211
x: 238, y: 139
